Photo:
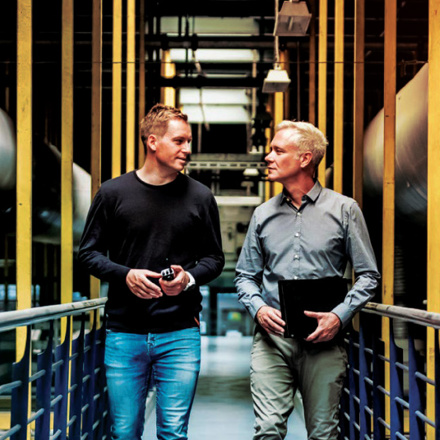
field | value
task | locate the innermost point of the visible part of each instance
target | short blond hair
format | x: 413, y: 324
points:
x: 307, y: 138
x: 156, y: 121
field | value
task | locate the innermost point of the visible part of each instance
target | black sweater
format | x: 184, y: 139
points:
x: 134, y: 225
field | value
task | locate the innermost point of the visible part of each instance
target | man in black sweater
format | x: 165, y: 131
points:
x: 139, y: 224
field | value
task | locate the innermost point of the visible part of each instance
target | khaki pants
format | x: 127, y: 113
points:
x: 281, y: 366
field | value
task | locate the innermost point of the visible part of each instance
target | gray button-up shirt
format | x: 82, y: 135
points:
x: 315, y: 241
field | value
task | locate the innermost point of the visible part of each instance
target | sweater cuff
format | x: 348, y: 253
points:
x: 120, y: 274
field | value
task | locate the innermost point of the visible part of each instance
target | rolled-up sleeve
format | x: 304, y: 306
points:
x: 361, y: 255
x: 249, y: 271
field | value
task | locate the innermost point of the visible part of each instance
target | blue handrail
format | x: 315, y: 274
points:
x: 365, y: 395
x: 66, y: 379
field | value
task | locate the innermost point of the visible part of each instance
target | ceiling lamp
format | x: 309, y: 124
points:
x: 293, y: 19
x: 277, y: 79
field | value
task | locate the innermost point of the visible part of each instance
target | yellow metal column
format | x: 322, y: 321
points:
x: 322, y: 80
x: 338, y: 117
x: 433, y: 280
x: 278, y: 116
x: 167, y: 70
x: 130, y: 99
x: 67, y: 152
x: 312, y: 66
x: 96, y: 115
x: 389, y: 152
x: 388, y: 175
x: 141, y: 114
x: 117, y: 88
x: 358, y: 100
x: 24, y: 164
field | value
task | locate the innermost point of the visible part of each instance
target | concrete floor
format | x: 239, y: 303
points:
x: 223, y: 407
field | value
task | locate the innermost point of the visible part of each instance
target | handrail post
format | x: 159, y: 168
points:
x: 363, y: 373
x: 62, y: 354
x: 20, y: 395
x: 378, y: 378
x: 396, y: 389
x: 415, y: 391
x: 43, y: 393
x: 76, y: 383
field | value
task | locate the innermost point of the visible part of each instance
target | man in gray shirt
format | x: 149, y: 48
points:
x: 306, y: 232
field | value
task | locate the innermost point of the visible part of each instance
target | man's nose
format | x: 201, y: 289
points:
x: 186, y: 148
x: 268, y: 157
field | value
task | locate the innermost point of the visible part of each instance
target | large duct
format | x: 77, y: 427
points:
x: 7, y: 152
x: 46, y: 191
x: 411, y: 150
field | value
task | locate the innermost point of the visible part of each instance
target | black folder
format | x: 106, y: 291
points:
x: 319, y: 295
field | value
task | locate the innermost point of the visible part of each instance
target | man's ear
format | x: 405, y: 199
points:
x: 151, y: 142
x: 306, y: 159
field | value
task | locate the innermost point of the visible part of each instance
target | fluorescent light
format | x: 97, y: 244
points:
x: 214, y: 96
x: 217, y: 114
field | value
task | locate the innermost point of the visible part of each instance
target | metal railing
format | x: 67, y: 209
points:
x: 385, y: 396
x: 64, y: 383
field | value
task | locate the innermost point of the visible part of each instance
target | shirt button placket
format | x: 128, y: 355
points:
x: 297, y: 245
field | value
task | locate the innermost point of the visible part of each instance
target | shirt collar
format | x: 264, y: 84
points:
x: 313, y: 194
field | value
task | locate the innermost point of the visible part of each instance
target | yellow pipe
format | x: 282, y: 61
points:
x: 389, y: 176
x: 389, y: 151
x: 66, y: 155
x: 168, y: 70
x: 322, y: 80
x: 130, y: 101
x: 312, y: 66
x: 433, y: 221
x: 117, y: 88
x: 24, y: 165
x: 358, y: 100
x: 338, y: 118
x: 278, y: 116
x: 96, y: 116
x: 141, y: 114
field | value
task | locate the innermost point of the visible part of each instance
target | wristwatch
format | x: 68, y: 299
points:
x: 191, y: 283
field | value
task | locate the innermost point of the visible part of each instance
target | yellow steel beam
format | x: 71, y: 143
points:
x: 67, y: 152
x: 141, y: 114
x: 338, y: 113
x: 433, y: 280
x: 24, y: 173
x: 96, y: 96
x: 389, y: 151
x: 130, y: 101
x: 322, y: 80
x: 96, y: 115
x: 167, y: 70
x: 24, y: 164
x: 358, y: 100
x: 389, y: 174
x: 117, y: 88
x: 278, y: 116
x: 312, y: 66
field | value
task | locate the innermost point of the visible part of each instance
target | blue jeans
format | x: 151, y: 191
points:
x: 173, y: 361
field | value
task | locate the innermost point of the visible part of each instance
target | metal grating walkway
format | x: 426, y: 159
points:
x: 223, y: 405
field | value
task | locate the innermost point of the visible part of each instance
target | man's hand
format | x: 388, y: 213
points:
x: 270, y: 319
x: 328, y: 326
x: 176, y: 286
x: 141, y: 286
